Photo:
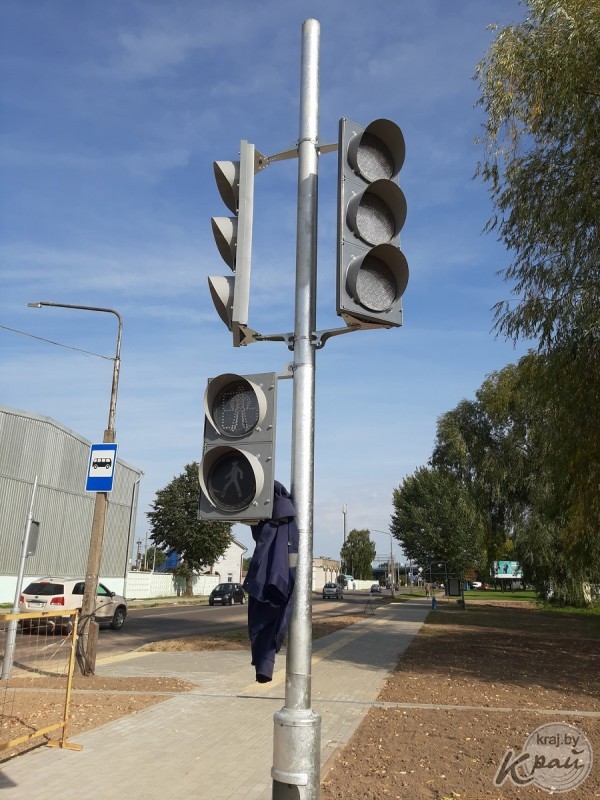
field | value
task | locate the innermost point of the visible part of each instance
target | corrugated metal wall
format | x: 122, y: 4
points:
x: 31, y: 445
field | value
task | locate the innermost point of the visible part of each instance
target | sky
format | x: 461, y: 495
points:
x: 111, y: 117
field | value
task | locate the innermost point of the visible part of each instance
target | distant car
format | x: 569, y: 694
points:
x: 227, y: 594
x: 52, y: 594
x: 333, y: 590
x: 376, y: 588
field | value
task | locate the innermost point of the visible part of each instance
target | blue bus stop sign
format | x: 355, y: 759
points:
x: 101, y: 468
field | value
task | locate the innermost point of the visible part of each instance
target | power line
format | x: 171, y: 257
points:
x: 58, y: 344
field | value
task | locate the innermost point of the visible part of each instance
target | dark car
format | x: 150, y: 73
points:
x: 333, y: 590
x: 227, y: 594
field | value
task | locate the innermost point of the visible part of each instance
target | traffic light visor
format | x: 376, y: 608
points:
x: 227, y: 176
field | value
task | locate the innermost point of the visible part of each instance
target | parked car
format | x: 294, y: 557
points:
x: 52, y: 594
x: 227, y: 594
x: 333, y: 590
x: 376, y: 588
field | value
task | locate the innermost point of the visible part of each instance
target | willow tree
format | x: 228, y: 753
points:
x: 540, y: 91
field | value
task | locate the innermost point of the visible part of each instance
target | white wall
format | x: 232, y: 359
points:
x: 143, y: 585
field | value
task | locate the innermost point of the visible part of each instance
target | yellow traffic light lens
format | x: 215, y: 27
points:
x: 375, y: 223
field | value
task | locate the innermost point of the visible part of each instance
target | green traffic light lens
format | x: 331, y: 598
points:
x: 231, y: 483
x: 376, y: 288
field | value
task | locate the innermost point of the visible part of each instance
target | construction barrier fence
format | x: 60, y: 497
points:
x: 38, y: 661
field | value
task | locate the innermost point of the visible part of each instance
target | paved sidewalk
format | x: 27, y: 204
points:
x: 216, y: 742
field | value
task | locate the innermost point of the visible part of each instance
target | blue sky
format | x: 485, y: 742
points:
x: 112, y: 114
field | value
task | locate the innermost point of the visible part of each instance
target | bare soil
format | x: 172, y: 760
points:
x: 505, y: 668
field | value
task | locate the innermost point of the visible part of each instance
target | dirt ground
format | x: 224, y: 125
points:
x: 505, y: 667
x: 502, y: 668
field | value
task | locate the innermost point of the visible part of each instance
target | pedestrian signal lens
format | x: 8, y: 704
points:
x: 231, y: 482
x: 236, y: 409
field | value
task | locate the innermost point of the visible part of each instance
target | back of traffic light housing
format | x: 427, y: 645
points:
x: 236, y: 473
x: 372, y: 271
x: 233, y: 237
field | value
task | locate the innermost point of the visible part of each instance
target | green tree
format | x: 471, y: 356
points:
x: 358, y: 553
x: 176, y: 527
x: 540, y: 90
x: 436, y: 520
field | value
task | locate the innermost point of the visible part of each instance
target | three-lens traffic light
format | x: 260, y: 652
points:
x: 233, y: 236
x: 237, y: 468
x: 372, y: 272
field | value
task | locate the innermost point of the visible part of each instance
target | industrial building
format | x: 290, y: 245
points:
x: 30, y: 446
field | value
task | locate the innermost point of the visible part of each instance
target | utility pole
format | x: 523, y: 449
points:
x: 297, y: 734
x: 88, y: 629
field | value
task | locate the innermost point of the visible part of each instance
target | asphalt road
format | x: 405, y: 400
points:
x: 145, y: 625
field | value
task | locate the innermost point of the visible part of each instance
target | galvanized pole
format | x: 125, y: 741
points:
x: 11, y: 635
x: 297, y: 729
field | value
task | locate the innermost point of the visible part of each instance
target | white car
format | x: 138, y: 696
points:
x: 52, y: 594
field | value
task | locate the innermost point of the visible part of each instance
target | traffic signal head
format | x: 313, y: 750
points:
x: 372, y: 272
x: 237, y: 470
x: 233, y: 236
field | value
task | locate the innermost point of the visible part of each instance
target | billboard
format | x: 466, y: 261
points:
x: 508, y: 569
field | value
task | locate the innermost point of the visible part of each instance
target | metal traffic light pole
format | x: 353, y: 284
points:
x: 297, y: 734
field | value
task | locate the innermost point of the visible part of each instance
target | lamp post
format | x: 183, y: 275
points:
x: 344, y: 512
x: 86, y: 649
x: 392, y: 576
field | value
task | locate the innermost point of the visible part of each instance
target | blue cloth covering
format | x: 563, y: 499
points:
x: 270, y: 582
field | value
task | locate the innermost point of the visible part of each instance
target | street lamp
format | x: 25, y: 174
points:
x: 344, y: 512
x: 392, y: 576
x: 89, y: 631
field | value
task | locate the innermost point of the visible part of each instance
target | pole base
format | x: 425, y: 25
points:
x: 296, y: 770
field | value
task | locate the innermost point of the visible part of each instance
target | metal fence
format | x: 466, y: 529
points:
x: 35, y: 691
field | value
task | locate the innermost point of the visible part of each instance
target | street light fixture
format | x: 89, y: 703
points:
x: 392, y: 576
x: 89, y: 630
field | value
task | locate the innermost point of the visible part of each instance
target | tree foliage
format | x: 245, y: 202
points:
x: 540, y: 90
x: 176, y: 527
x: 436, y: 519
x: 358, y: 553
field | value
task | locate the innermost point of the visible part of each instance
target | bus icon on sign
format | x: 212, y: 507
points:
x: 102, y: 462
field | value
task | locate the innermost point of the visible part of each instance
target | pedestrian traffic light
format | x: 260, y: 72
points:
x: 372, y: 272
x: 237, y: 469
x: 233, y: 236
